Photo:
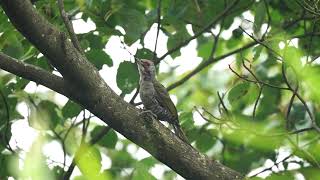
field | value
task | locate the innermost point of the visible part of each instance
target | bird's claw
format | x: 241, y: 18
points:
x: 148, y: 113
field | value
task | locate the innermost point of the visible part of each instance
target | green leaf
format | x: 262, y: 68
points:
x: 71, y: 109
x: 72, y: 141
x: 13, y: 50
x: 4, y: 166
x: 8, y: 103
x: 44, y: 116
x: 121, y: 159
x: 141, y: 172
x: 95, y: 41
x: 238, y: 91
x: 177, y: 39
x: 21, y: 83
x: 257, y: 51
x: 310, y: 173
x: 292, y: 57
x: 186, y: 120
x: 58, y: 171
x: 89, y: 161
x: 259, y: 17
x: 205, y: 141
x: 127, y: 77
x: 297, y: 117
x: 98, y: 57
x: 169, y: 175
x: 237, y: 33
x: 109, y: 140
x: 287, y: 175
x: 204, y: 50
x: 144, y: 54
x: 148, y: 162
x: 5, y: 133
x: 80, y: 178
x: 11, y: 45
x: 242, y: 95
x: 133, y: 22
x: 9, y: 166
x: 40, y: 62
x: 43, y: 62
x: 311, y: 77
x: 312, y: 155
x: 232, y: 43
x: 268, y: 104
x: 243, y: 161
x: 35, y: 165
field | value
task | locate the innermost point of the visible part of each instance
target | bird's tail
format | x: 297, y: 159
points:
x: 178, y: 131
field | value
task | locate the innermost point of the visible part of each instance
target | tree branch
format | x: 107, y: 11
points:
x: 211, y: 60
x: 199, y: 33
x: 69, y: 26
x: 33, y: 73
x: 93, y: 94
x: 158, y: 29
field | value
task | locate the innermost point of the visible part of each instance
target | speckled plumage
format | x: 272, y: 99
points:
x: 155, y: 97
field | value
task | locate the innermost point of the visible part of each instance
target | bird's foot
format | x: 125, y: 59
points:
x: 148, y: 113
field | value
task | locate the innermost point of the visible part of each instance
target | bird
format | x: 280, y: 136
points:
x: 155, y: 97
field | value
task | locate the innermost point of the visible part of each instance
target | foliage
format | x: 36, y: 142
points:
x: 267, y: 102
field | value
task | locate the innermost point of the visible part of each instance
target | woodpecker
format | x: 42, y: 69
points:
x: 155, y: 97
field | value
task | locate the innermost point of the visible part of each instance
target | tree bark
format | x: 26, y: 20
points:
x: 87, y: 88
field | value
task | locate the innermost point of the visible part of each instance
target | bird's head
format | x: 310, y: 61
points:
x: 147, y: 69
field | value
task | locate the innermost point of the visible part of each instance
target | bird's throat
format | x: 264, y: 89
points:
x: 147, y: 76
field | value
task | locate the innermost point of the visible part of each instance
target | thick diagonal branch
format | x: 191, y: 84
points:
x: 92, y: 93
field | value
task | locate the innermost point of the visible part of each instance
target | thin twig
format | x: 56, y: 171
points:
x: 269, y: 19
x: 290, y: 105
x: 302, y: 130
x: 287, y: 157
x: 137, y: 104
x: 69, y: 27
x: 158, y: 29
x: 250, y: 71
x: 207, y: 63
x: 256, y: 103
x: 63, y: 146
x: 222, y: 103
x: 261, y: 43
x: 211, y: 60
x: 313, y: 121
x: 310, y: 41
x: 199, y: 33
x: 135, y: 95
x: 5, y: 136
x: 207, y: 119
x: 305, y: 152
x: 258, y: 82
x: 309, y: 8
x: 274, y: 164
x: 206, y: 111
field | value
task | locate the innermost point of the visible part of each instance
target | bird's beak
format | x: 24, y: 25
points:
x: 139, y: 63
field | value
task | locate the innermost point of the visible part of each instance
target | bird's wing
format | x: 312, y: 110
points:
x: 164, y: 100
